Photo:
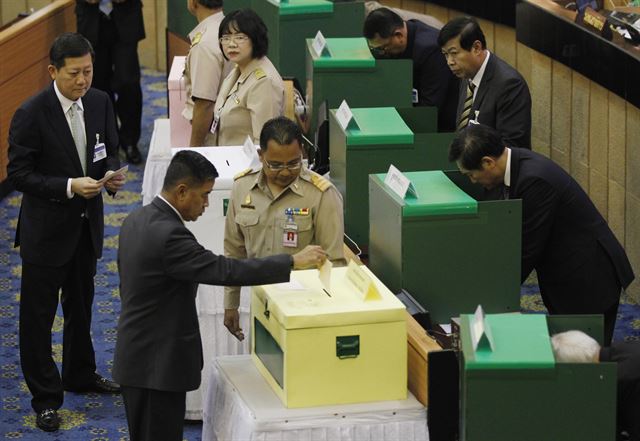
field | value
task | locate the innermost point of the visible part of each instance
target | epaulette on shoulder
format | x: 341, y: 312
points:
x: 259, y: 73
x: 196, y: 39
x: 242, y: 173
x: 320, y: 183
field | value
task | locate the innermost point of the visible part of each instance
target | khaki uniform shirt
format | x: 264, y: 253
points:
x: 205, y: 67
x: 255, y: 223
x: 246, y: 101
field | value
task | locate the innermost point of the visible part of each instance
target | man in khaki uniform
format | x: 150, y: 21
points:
x: 280, y: 208
x: 205, y: 69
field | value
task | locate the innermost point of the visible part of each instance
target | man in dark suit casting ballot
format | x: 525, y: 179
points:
x: 159, y: 351
x: 581, y: 265
x: 62, y: 141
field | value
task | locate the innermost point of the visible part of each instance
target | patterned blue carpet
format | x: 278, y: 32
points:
x: 96, y: 417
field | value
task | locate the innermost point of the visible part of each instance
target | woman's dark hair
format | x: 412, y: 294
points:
x: 246, y: 21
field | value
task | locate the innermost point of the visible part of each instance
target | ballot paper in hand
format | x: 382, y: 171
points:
x: 325, y: 275
x: 120, y: 171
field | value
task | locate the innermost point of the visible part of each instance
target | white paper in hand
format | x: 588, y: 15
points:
x: 251, y: 153
x: 325, y: 275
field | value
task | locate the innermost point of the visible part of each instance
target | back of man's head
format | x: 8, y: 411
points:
x: 575, y: 347
x: 188, y: 167
x: 467, y: 28
x: 381, y: 21
x: 473, y: 143
x: 281, y: 130
x: 68, y: 45
x: 211, y: 4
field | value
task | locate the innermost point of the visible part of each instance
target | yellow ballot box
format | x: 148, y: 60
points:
x: 338, y: 341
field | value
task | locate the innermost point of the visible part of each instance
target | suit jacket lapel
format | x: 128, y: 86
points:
x: 61, y: 129
x: 91, y: 128
x: 485, y: 85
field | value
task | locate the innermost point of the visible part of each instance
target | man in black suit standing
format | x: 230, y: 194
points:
x: 581, y: 266
x: 62, y: 141
x: 491, y: 91
x: 389, y: 36
x: 114, y: 28
x: 159, y: 350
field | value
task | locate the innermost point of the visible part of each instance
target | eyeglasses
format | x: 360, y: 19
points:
x: 379, y: 51
x: 236, y: 38
x: 279, y: 166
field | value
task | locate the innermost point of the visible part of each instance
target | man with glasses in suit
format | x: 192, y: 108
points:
x: 280, y: 207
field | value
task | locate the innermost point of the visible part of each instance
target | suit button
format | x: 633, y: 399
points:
x: 82, y: 215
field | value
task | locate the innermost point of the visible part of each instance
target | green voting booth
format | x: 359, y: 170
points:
x: 511, y: 388
x: 346, y: 70
x: 376, y: 138
x: 446, y: 247
x: 291, y: 23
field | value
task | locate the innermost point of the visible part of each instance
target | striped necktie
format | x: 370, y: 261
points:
x: 79, y: 137
x: 466, y: 108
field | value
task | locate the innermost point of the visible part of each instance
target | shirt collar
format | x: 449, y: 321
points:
x: 202, y: 26
x: 478, y: 77
x: 295, y: 187
x: 172, y: 207
x: 507, y: 171
x: 65, y: 102
x: 253, y: 65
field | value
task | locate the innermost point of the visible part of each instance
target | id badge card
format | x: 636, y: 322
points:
x: 290, y: 235
x: 214, y: 125
x: 99, y: 152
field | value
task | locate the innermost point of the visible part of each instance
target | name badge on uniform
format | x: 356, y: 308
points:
x: 216, y: 120
x: 290, y: 233
x: 99, y: 150
x: 475, y: 120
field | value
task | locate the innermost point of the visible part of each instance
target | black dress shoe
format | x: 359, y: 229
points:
x: 100, y: 385
x: 48, y: 420
x: 133, y: 154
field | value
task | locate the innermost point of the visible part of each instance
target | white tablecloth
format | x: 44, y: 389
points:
x: 209, y: 230
x: 241, y: 406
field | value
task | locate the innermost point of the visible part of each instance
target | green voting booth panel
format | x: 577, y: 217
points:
x: 290, y: 23
x: 448, y: 256
x: 516, y: 391
x: 377, y: 138
x: 348, y: 71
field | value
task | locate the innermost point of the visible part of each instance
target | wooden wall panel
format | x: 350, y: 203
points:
x: 561, y: 115
x: 632, y: 240
x: 27, y: 44
x: 505, y: 43
x: 580, y: 130
x: 437, y: 11
x: 540, y: 88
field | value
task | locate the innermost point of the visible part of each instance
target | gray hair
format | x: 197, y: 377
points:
x: 575, y: 347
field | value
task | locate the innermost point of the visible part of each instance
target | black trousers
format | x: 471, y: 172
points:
x: 154, y: 415
x: 116, y: 70
x: 40, y: 287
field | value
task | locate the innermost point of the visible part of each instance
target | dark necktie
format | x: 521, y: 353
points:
x: 466, y: 108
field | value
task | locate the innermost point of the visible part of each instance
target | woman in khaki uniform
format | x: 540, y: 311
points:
x: 253, y: 92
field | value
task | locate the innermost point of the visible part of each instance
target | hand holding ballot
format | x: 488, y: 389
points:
x: 114, y: 180
x: 312, y: 256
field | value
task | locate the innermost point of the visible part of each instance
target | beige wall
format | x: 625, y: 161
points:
x: 590, y: 132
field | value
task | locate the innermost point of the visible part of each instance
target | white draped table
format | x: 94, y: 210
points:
x: 241, y: 406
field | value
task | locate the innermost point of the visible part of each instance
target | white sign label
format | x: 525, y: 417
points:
x: 480, y: 330
x: 344, y: 115
x: 399, y: 183
x: 364, y: 285
x: 325, y: 275
x: 319, y: 44
x: 249, y: 149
